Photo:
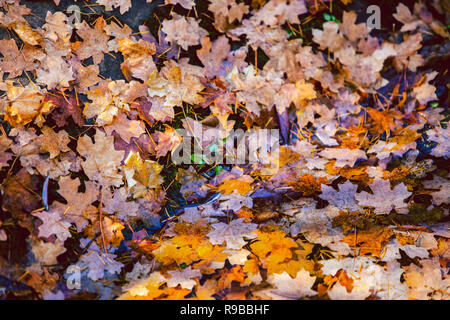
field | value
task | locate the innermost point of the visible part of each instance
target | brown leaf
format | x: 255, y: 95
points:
x: 24, y: 105
x: 95, y: 41
x: 66, y: 106
x: 138, y: 61
x: 14, y: 61
x: 20, y: 193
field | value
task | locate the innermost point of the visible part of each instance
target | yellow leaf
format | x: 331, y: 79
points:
x: 304, y: 91
x: 141, y: 174
x: 241, y: 185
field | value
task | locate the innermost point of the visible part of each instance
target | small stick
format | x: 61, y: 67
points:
x: 101, y: 222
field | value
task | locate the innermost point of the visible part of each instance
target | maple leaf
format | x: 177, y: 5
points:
x: 212, y: 258
x: 141, y: 174
x: 181, y: 76
x: 140, y: 270
x: 98, y: 262
x: 5, y: 144
x: 24, y: 105
x: 232, y: 234
x: 227, y: 276
x: 201, y: 214
x: 206, y: 290
x: 183, y: 278
x: 110, y: 229
x: 26, y: 33
x: 369, y: 241
x: 343, y: 199
x: 159, y: 111
x: 57, y: 73
x: 85, y: 76
x: 57, y: 29
x: 442, y: 137
x: 234, y: 202
x: 365, y: 70
x: 383, y: 198
x: 242, y: 185
x: 77, y: 202
x: 226, y: 12
x: 14, y: 61
x: 339, y: 292
x: 53, y: 225
x: 125, y: 127
x: 237, y: 256
x: 303, y: 91
x: 183, y: 31
x: 101, y: 159
x: 325, y: 132
x: 308, y: 184
x: 322, y: 87
x: 404, y: 15
x: 330, y: 38
x: 406, y: 53
x: 117, y: 203
x: 441, y: 196
x: 119, y: 32
x: 95, y: 41
x: 287, y: 288
x: 382, y: 149
x: 351, y: 30
x: 123, y: 5
x: 427, y: 280
x: 169, y: 253
x: 169, y: 140
x: 212, y: 55
x: 280, y: 12
x: 47, y: 252
x: 426, y: 92
x: 391, y: 251
x: 108, y: 97
x: 138, y: 61
x: 148, y: 287
x: 52, y: 142
x: 65, y: 107
x: 273, y: 248
x: 371, y: 277
x: 219, y: 101
x: 343, y: 156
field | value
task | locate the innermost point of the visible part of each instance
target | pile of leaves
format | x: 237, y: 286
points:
x: 92, y: 205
